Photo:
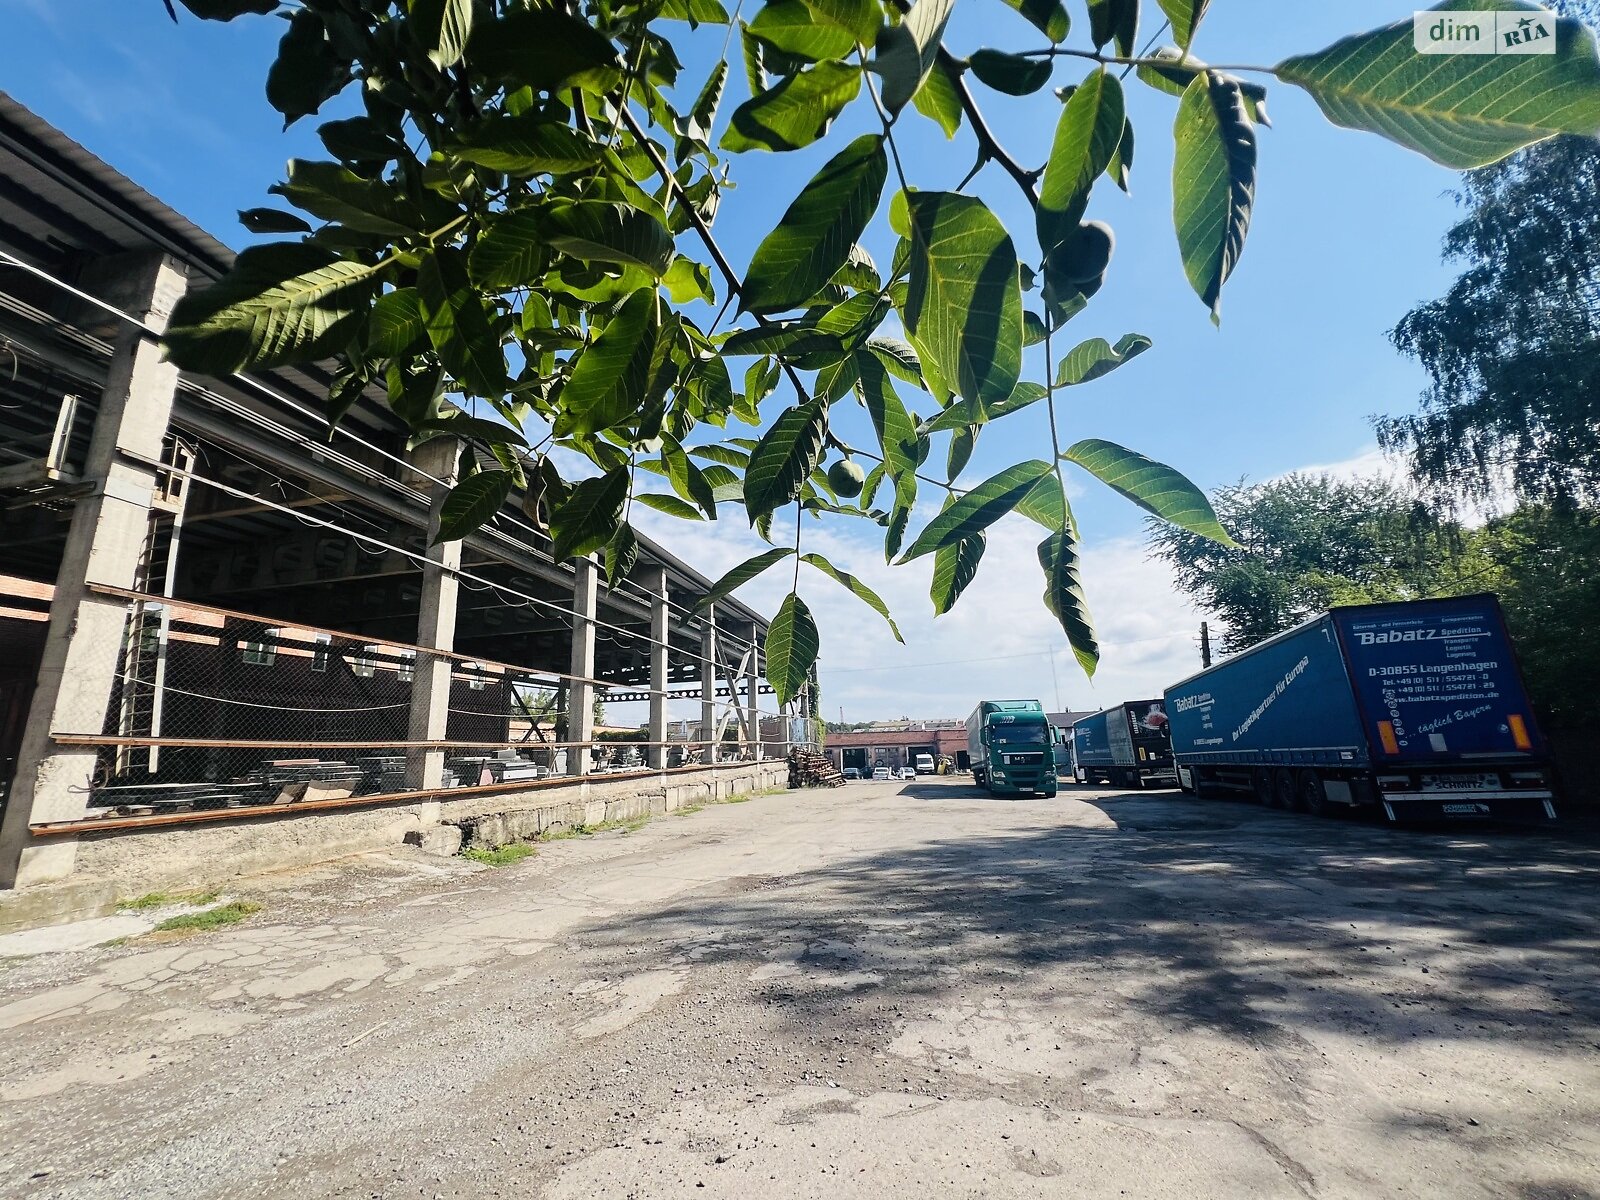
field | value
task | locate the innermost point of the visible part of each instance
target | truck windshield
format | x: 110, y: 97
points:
x: 1019, y: 735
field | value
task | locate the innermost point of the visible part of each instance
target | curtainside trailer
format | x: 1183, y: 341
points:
x: 1125, y: 746
x: 1417, y: 708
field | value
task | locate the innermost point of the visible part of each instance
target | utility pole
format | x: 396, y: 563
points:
x: 1205, y: 644
x: 1053, y: 678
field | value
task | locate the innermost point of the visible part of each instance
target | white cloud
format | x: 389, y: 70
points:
x: 999, y: 641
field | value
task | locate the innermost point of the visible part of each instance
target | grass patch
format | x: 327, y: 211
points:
x: 213, y: 918
x: 166, y: 899
x: 503, y: 856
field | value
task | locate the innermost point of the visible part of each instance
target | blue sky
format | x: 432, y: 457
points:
x: 1345, y: 239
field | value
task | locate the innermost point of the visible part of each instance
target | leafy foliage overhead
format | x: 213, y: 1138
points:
x: 516, y: 217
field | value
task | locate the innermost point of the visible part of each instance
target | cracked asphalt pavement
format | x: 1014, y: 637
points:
x: 882, y: 990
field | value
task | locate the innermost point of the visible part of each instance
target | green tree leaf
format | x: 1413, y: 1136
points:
x: 818, y: 231
x: 588, y: 518
x: 670, y: 505
x: 1154, y: 487
x: 899, y: 358
x: 963, y: 306
x: 1049, y: 17
x: 622, y: 551
x: 227, y: 10
x: 741, y: 575
x: 687, y: 280
x: 460, y: 425
x: 1461, y: 110
x: 471, y: 504
x: 598, y: 231
x: 396, y: 323
x: 1087, y: 136
x: 869, y: 597
x: 792, y: 646
x: 964, y: 413
x: 306, y: 71
x: 1213, y: 183
x: 1090, y: 360
x: 1046, y: 505
x: 1184, y: 16
x: 359, y: 139
x: 796, y: 112
x: 281, y: 303
x: 271, y: 220
x: 511, y: 252
x: 335, y: 193
x: 443, y: 26
x: 792, y: 28
x: 1010, y: 73
x: 954, y: 567
x: 907, y: 51
x: 459, y: 325
x: 609, y: 379
x: 859, y: 18
x: 528, y: 144
x: 784, y: 459
x: 1121, y: 168
x: 1063, y: 596
x: 1114, y: 20
x: 938, y: 100
x: 545, y: 49
x: 979, y: 508
x: 686, y: 478
x: 791, y: 340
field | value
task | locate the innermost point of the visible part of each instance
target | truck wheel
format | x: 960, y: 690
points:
x: 1312, y: 798
x: 1283, y: 789
x: 1261, y: 777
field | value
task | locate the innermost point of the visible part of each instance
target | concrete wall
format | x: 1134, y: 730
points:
x: 135, y: 862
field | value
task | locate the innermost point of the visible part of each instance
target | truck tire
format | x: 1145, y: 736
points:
x: 1312, y: 798
x: 1283, y: 789
x: 1261, y: 779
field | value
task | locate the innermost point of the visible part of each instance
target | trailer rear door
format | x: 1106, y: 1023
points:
x: 1438, y: 681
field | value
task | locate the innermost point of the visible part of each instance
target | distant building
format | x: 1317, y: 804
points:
x: 896, y: 748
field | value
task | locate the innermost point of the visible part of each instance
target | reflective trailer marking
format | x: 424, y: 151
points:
x: 1519, y: 732
x: 1386, y: 736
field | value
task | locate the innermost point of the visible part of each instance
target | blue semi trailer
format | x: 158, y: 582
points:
x: 1125, y: 746
x: 1417, y: 708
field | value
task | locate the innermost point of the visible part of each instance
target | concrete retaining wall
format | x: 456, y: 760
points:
x: 138, y: 861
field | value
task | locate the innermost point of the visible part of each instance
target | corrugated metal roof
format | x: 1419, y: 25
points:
x: 59, y: 201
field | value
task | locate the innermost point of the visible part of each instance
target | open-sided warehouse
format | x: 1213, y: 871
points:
x: 216, y: 611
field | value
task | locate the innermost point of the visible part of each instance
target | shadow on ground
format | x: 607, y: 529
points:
x: 1206, y: 915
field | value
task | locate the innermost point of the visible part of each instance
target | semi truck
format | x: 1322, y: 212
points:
x: 1124, y: 746
x: 1012, y: 748
x: 1415, y: 708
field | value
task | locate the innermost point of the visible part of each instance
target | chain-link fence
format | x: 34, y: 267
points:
x: 216, y: 709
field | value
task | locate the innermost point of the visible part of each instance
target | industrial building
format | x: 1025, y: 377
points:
x: 225, y: 638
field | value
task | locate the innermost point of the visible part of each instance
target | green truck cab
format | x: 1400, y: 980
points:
x: 1012, y: 748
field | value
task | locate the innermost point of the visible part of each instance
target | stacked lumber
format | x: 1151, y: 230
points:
x: 810, y: 769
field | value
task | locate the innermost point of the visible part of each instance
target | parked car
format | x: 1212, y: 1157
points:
x: 908, y: 772
x: 882, y: 773
x: 852, y: 772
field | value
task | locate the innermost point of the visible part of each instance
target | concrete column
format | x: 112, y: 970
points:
x: 436, y: 621
x: 656, y: 584
x: 580, y: 696
x: 104, y: 543
x: 708, y: 684
x: 753, y: 693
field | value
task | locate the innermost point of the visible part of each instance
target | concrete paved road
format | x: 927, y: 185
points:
x: 886, y: 990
